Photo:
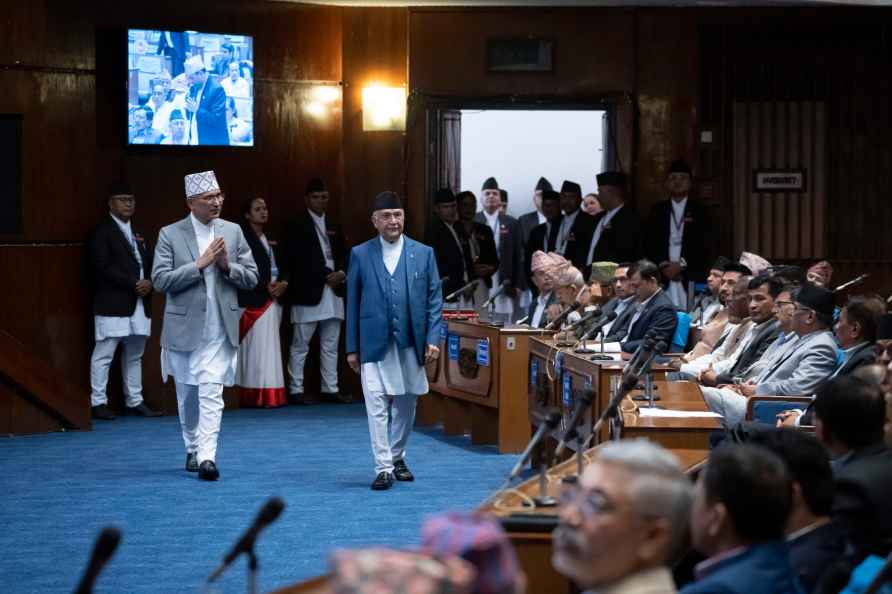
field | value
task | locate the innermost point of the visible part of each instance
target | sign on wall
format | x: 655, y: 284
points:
x: 779, y: 180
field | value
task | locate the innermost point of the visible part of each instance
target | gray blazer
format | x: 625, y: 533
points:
x: 800, y: 370
x: 176, y: 274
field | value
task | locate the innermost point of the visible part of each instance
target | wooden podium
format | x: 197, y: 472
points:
x: 479, y: 384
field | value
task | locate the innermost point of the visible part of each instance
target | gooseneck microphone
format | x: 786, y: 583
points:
x: 598, y: 326
x: 458, y: 292
x: 267, y: 515
x: 492, y: 297
x: 549, y: 420
x: 106, y: 544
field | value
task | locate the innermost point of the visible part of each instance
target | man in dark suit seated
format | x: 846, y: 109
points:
x: 741, y: 506
x: 653, y: 313
x: 849, y: 417
x: 815, y: 540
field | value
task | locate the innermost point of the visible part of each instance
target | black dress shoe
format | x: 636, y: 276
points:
x: 401, y: 471
x: 102, y: 412
x: 337, y: 397
x: 207, y: 471
x: 301, y: 399
x: 191, y: 462
x: 382, y: 482
x: 142, y: 410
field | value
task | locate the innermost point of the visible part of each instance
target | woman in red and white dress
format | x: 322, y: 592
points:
x: 259, y: 373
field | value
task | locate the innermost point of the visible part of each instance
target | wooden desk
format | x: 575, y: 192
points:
x: 558, y: 375
x: 478, y: 385
x: 534, y: 547
x: 690, y: 433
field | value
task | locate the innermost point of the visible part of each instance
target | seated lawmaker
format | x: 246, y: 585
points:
x: 713, y: 333
x: 764, y: 330
x: 725, y: 354
x: 707, y: 305
x: 571, y: 290
x: 621, y: 528
x: 543, y: 279
x: 653, y: 312
x: 849, y: 417
x: 741, y: 506
x: 798, y: 370
x: 856, y: 334
x: 815, y: 540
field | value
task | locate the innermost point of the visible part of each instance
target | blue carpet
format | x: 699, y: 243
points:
x: 59, y: 490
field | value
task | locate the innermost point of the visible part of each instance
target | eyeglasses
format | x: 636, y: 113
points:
x: 589, y: 503
x: 217, y: 198
x: 386, y: 216
x: 783, y: 303
x: 125, y: 199
x: 803, y: 309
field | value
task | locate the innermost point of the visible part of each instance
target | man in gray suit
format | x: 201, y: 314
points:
x: 199, y: 264
x: 799, y: 370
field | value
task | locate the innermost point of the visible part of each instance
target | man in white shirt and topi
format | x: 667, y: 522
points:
x: 200, y: 262
x: 394, y: 305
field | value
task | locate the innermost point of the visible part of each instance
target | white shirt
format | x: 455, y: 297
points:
x: 675, y: 289
x: 605, y: 220
x: 502, y: 304
x: 540, y: 216
x: 330, y: 306
x: 391, y: 253
x: 240, y: 88
x: 161, y: 117
x: 541, y: 304
x: 119, y: 326
x: 702, y: 362
x: 193, y: 125
x: 564, y: 232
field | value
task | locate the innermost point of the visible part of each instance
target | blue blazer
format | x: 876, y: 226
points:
x: 367, y: 323
x: 761, y: 569
x: 658, y: 315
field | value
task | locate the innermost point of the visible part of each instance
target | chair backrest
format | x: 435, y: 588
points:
x: 680, y: 340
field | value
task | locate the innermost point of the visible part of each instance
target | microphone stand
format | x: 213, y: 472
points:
x: 549, y: 421
x: 252, y: 571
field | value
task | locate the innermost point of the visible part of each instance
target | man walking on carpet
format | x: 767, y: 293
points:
x: 200, y: 262
x: 394, y: 307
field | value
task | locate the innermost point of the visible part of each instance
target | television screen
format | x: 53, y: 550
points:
x: 190, y: 88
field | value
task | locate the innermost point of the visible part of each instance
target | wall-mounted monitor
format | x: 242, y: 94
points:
x: 189, y: 88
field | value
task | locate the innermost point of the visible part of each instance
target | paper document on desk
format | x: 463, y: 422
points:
x: 676, y: 414
x: 609, y: 347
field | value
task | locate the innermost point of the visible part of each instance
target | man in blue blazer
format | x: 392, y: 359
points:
x: 655, y: 312
x: 741, y: 505
x: 394, y: 314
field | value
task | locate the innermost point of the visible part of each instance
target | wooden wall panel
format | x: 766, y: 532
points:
x: 375, y: 51
x: 68, y: 85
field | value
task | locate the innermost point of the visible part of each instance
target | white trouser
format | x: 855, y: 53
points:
x: 390, y: 422
x: 329, y: 334
x: 727, y: 403
x: 201, y: 410
x: 131, y: 368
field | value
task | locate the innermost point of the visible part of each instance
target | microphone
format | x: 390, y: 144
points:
x: 523, y: 320
x: 646, y: 345
x: 585, y: 401
x: 598, y: 326
x: 267, y: 515
x: 492, y: 297
x: 644, y: 367
x: 548, y: 421
x: 852, y: 283
x: 458, y: 292
x: 594, y: 313
x: 105, y: 546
